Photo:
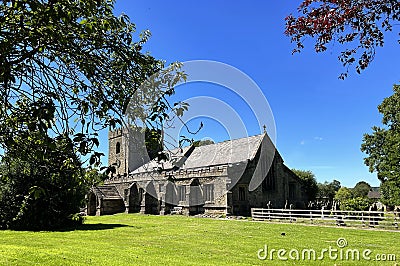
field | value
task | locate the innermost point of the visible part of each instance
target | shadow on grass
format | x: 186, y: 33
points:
x: 94, y: 227
x: 82, y: 227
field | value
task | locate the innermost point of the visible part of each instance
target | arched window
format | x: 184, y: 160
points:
x: 269, y: 182
x: 118, y: 148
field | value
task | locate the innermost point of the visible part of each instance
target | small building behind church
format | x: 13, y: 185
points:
x: 229, y: 178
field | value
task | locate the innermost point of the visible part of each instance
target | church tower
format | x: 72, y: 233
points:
x: 127, y: 149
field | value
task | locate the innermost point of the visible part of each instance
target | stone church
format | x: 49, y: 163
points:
x: 229, y: 177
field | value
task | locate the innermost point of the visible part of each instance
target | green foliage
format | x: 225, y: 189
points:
x: 355, y: 204
x: 94, y: 176
x: 309, y: 182
x: 42, y: 184
x: 73, y: 61
x: 153, y: 142
x: 382, y: 148
x: 67, y: 70
x: 199, y: 143
x: 354, y: 199
x: 328, y: 190
x: 343, y: 194
x: 390, y: 193
x: 361, y: 189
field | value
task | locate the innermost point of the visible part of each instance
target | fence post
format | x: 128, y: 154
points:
x: 362, y: 219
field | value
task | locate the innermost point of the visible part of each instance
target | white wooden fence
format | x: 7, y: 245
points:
x: 343, y: 218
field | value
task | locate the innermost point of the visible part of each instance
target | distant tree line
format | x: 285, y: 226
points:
x: 346, y: 198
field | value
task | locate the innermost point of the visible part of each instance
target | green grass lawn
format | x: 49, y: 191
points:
x: 133, y: 239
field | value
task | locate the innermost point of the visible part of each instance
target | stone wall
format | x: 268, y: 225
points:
x: 131, y: 153
x: 165, y: 188
x: 111, y: 206
x: 280, y: 188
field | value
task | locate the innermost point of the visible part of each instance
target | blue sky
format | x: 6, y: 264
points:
x: 320, y: 120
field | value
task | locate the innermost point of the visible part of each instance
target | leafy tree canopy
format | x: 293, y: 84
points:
x: 68, y: 68
x: 382, y: 145
x: 44, y: 187
x: 199, y: 143
x: 74, y: 63
x: 359, y: 24
x: 361, y: 189
x: 382, y: 148
x: 328, y: 190
x: 343, y: 194
x: 355, y: 204
x: 309, y: 181
x: 390, y: 193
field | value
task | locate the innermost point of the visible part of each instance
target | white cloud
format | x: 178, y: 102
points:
x: 318, y: 138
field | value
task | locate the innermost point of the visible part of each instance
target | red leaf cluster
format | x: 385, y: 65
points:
x: 358, y: 23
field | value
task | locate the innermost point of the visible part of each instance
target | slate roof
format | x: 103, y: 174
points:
x: 106, y: 192
x: 374, y: 195
x: 227, y: 152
